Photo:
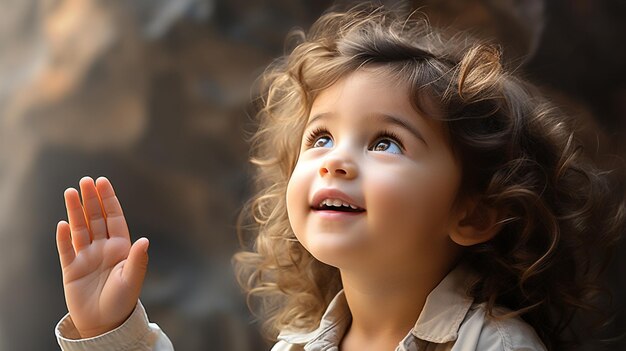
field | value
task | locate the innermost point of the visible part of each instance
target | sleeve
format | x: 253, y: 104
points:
x: 136, y: 334
x: 281, y: 345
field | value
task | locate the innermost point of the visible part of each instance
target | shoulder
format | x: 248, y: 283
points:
x: 497, y: 334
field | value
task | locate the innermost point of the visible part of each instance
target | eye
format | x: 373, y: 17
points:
x: 320, y: 137
x: 322, y: 142
x: 387, y: 142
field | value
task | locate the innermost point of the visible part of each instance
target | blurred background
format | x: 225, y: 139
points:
x: 154, y: 94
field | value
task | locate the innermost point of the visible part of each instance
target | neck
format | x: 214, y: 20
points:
x: 384, y: 308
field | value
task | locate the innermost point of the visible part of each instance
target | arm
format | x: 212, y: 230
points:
x: 102, y: 274
x: 136, y: 333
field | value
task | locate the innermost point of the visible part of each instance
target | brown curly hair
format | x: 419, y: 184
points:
x: 519, y: 154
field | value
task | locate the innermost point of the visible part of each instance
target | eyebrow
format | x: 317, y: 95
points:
x: 383, y: 117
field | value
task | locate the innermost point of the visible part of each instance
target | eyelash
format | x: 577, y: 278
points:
x: 314, y: 134
x: 322, y: 131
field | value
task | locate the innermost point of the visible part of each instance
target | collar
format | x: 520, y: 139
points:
x: 439, y: 322
x: 445, y: 307
x: 333, y: 326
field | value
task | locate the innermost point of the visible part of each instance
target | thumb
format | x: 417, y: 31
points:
x: 136, y: 264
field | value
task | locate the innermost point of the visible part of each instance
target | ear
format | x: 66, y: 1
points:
x: 473, y: 223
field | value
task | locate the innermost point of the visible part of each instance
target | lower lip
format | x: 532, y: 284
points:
x: 337, y: 215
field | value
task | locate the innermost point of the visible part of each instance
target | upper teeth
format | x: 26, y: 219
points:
x: 336, y: 203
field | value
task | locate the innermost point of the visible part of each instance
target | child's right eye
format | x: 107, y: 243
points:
x: 319, y: 137
x: 323, y: 141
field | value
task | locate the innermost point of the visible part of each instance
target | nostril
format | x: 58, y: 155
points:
x: 334, y: 171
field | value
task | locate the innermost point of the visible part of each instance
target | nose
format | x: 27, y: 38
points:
x: 337, y: 165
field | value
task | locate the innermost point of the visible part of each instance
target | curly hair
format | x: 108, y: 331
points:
x: 560, y: 213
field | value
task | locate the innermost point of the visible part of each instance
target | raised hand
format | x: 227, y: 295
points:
x: 102, y: 272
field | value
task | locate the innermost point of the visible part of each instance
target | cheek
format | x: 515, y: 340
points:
x: 291, y: 198
x: 414, y: 203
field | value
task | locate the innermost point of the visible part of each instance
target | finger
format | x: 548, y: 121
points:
x: 93, y: 208
x: 136, y: 264
x: 64, y: 244
x: 76, y: 216
x: 115, y: 221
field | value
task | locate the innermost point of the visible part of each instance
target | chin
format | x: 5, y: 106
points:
x: 333, y: 250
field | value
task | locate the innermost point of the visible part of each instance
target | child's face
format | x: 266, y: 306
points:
x: 405, y: 186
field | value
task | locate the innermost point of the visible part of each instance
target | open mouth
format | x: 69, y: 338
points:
x: 333, y: 201
x: 333, y: 208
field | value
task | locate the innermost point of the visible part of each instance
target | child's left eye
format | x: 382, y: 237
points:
x: 388, y: 146
x: 388, y: 141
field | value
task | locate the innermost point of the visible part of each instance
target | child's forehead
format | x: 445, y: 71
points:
x: 373, y: 89
x: 372, y: 93
x: 365, y: 81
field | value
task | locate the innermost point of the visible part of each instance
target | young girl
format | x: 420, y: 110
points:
x: 413, y: 195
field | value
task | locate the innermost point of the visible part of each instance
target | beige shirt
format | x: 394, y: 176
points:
x: 449, y: 321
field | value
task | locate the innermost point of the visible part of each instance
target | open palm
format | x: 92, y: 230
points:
x: 102, y: 272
